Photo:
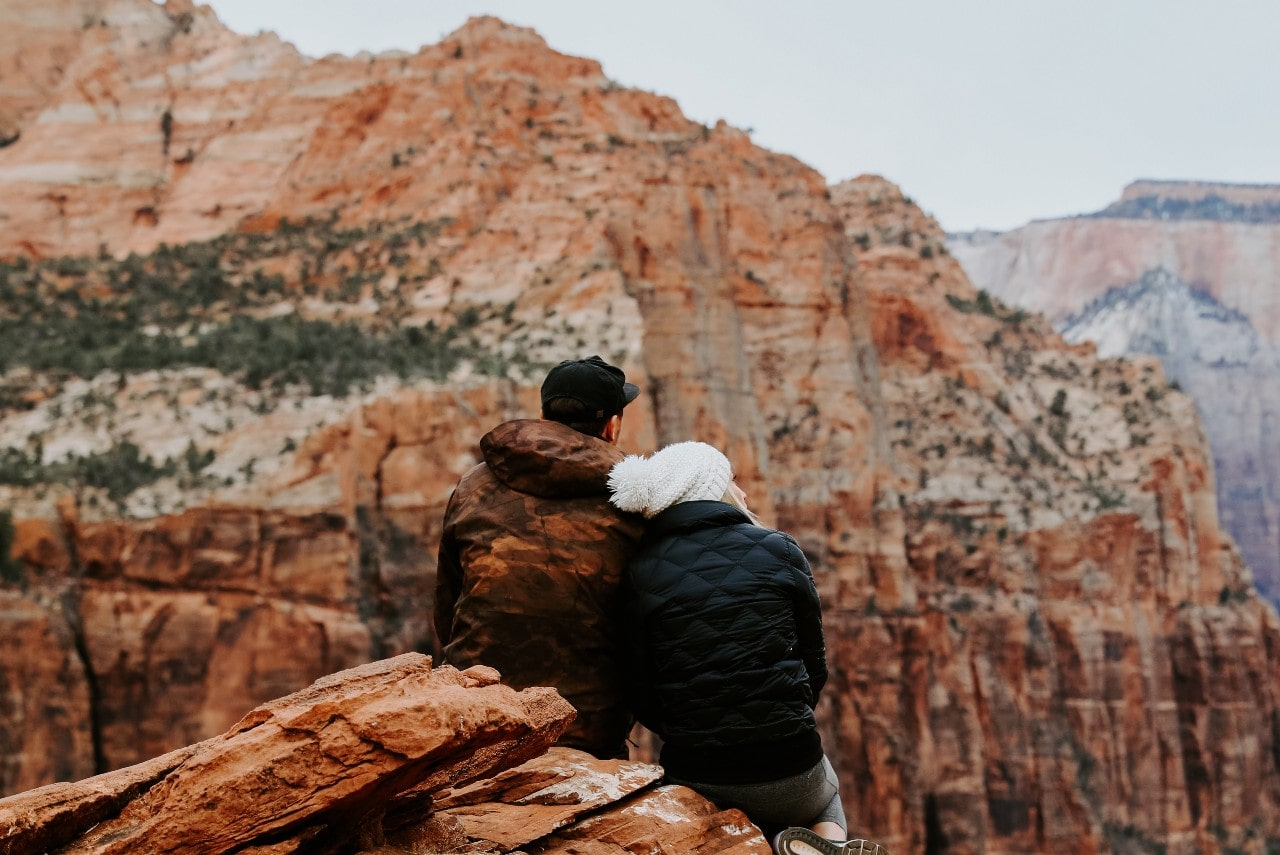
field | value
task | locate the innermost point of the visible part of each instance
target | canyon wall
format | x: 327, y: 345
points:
x: 1097, y: 277
x: 1040, y: 639
x: 1069, y: 617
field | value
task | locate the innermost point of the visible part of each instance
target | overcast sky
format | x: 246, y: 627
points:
x: 988, y: 113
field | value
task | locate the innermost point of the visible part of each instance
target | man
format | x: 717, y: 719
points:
x: 532, y: 554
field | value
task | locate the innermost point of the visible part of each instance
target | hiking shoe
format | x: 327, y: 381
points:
x: 858, y: 846
x: 802, y: 841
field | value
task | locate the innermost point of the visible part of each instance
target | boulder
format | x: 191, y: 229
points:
x: 320, y: 763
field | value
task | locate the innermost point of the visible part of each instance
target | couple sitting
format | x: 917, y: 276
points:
x: 644, y: 586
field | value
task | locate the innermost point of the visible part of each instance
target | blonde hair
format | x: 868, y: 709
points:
x: 730, y: 497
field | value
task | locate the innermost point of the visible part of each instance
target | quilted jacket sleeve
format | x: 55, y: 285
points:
x: 808, y: 611
x: 638, y: 686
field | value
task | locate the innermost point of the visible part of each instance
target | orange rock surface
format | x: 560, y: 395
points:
x: 1040, y: 638
x: 380, y: 758
x: 1058, y: 678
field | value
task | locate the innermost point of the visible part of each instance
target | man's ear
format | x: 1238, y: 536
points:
x: 612, y: 429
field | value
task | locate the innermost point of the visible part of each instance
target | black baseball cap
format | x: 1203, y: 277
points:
x: 600, y: 388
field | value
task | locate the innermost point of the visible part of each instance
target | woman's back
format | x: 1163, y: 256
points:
x: 725, y: 641
x: 727, y: 638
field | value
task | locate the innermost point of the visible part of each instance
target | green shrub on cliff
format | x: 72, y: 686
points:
x: 118, y: 471
x: 194, y: 305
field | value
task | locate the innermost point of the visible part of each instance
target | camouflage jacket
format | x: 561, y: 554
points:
x: 530, y: 571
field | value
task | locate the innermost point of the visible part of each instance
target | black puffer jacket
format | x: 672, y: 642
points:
x: 726, y: 643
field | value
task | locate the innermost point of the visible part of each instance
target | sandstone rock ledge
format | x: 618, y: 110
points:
x: 392, y: 757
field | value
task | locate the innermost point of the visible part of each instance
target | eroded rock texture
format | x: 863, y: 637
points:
x: 320, y: 761
x: 379, y: 758
x: 1041, y: 640
x: 1060, y: 669
x: 1183, y: 271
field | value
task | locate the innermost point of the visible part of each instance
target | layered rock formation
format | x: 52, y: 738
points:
x: 1040, y: 639
x: 1226, y: 247
x: 36, y: 45
x: 1223, y: 243
x: 381, y: 758
x: 1071, y: 586
x: 1232, y: 373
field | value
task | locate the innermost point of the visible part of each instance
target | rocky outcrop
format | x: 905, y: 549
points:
x: 1040, y: 638
x: 319, y: 762
x: 1058, y: 669
x: 393, y: 743
x: 1231, y: 372
x: 570, y: 802
x: 1223, y: 242
x: 34, y: 53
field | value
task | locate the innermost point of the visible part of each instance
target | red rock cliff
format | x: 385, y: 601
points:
x: 1078, y: 612
x: 1040, y: 639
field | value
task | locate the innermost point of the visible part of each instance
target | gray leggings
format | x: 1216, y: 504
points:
x: 805, y: 799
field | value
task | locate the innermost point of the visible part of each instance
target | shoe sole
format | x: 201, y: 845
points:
x: 802, y: 841
x: 863, y: 847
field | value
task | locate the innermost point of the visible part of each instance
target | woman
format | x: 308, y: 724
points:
x: 727, y: 650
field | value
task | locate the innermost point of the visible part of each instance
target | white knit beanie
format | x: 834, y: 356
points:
x: 683, y: 472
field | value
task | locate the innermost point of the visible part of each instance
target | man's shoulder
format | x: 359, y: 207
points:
x: 478, y: 474
x: 476, y: 481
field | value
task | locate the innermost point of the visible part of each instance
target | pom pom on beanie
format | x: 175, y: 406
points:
x: 683, y: 472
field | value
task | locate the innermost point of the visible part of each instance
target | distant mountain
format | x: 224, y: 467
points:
x: 1186, y: 272
x: 1196, y: 200
x: 1231, y: 371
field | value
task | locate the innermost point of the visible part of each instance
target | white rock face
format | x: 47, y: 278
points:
x: 1163, y: 316
x: 1058, y: 266
x: 1231, y: 371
